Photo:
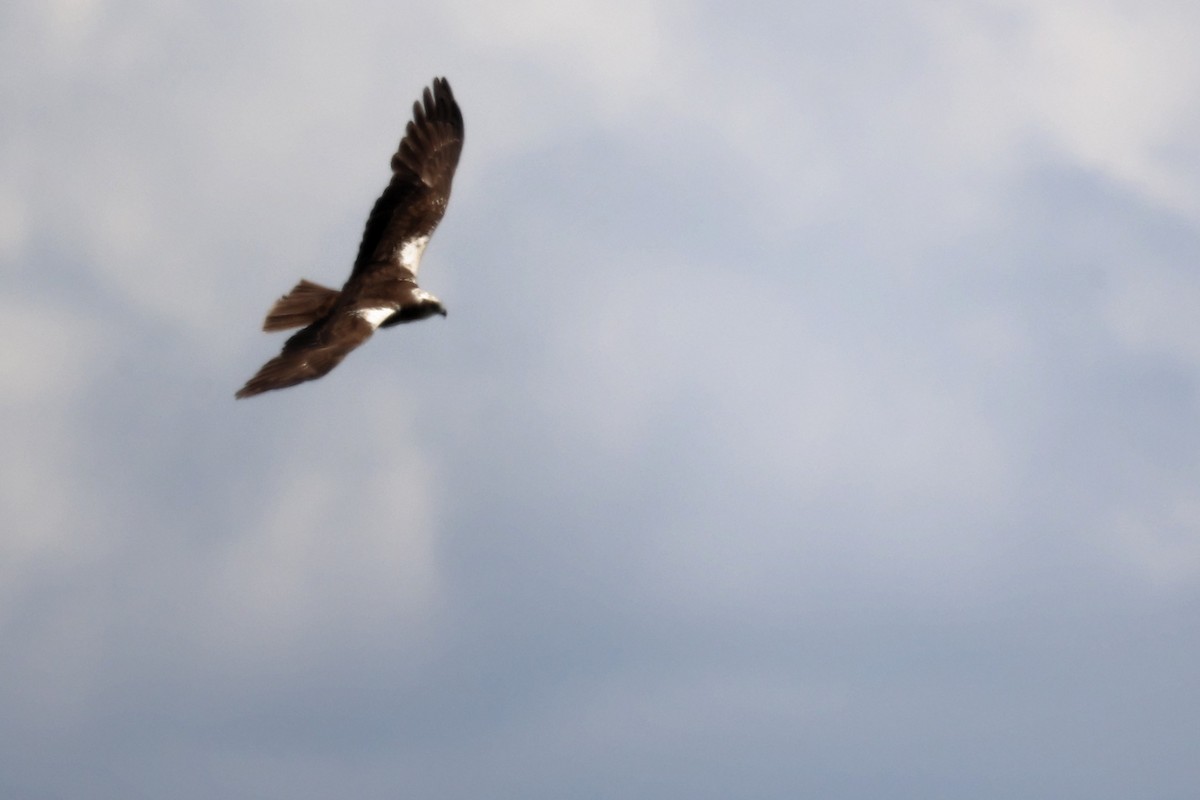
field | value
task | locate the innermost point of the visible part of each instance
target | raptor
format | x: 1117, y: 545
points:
x: 382, y: 289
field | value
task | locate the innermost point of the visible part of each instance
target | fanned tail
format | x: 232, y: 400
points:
x: 306, y: 303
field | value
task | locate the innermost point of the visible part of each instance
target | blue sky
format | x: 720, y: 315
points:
x: 816, y: 414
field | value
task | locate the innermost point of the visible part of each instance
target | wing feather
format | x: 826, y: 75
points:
x: 310, y: 354
x: 422, y: 175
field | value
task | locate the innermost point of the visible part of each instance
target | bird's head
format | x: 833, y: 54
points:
x: 426, y: 306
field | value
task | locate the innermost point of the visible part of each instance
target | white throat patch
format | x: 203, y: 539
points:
x: 375, y: 316
x: 410, y: 252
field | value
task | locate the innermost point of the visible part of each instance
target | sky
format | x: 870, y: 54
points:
x: 817, y: 413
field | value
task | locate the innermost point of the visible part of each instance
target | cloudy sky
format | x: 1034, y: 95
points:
x: 817, y: 414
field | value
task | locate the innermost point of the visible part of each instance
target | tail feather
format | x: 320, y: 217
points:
x: 306, y: 303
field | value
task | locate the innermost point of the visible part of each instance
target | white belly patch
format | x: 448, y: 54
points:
x: 410, y: 252
x: 375, y: 316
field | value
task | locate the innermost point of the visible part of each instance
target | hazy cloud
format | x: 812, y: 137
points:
x: 816, y: 413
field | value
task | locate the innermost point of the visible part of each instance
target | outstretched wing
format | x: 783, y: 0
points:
x: 311, y: 353
x: 423, y: 167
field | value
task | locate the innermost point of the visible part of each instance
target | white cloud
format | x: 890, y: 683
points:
x: 750, y: 392
x: 14, y: 226
x: 47, y: 356
x: 1152, y: 309
x: 1113, y: 85
x: 1161, y: 545
x: 620, y: 53
x: 53, y: 667
x: 329, y: 556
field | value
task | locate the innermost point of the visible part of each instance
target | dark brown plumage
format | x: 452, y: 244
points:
x: 382, y: 289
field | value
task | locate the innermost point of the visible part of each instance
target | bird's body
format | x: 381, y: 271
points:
x: 382, y: 290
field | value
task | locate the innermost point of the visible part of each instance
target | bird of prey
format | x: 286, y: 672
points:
x: 382, y: 289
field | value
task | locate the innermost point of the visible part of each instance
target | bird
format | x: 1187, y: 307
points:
x: 382, y: 289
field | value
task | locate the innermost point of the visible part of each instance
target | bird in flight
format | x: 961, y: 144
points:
x: 382, y: 289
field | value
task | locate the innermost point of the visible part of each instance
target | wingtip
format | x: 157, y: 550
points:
x: 443, y: 95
